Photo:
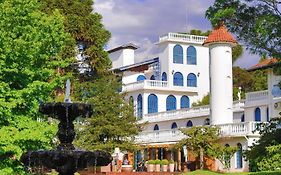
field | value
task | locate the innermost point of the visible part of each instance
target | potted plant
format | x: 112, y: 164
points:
x: 171, y: 165
x: 157, y: 165
x: 150, y: 165
x: 164, y: 164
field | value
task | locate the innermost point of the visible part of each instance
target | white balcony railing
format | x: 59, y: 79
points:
x: 226, y: 130
x: 200, y: 111
x: 183, y: 38
x: 144, y: 84
x: 258, y: 95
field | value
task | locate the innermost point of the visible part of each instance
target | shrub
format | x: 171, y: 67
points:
x: 151, y: 162
x: 164, y: 162
x: 171, y: 161
x: 157, y: 161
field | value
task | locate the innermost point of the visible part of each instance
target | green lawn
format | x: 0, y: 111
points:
x: 199, y: 172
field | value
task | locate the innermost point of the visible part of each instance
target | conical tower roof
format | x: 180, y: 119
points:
x: 220, y: 35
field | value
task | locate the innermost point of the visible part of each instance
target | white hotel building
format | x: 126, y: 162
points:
x: 187, y: 68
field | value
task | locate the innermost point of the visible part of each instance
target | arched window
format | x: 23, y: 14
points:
x: 191, y: 55
x: 243, y: 118
x: 178, y: 79
x: 139, y: 106
x: 177, y: 54
x: 164, y: 76
x: 131, y: 101
x: 189, y: 124
x: 152, y: 77
x: 152, y: 103
x: 191, y: 80
x: 174, y: 126
x: 207, y: 121
x: 239, y: 160
x: 184, y: 102
x: 156, y: 128
x: 171, y: 103
x: 141, y: 78
x: 257, y: 114
x: 267, y: 115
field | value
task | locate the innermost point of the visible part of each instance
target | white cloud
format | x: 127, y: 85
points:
x: 143, y: 21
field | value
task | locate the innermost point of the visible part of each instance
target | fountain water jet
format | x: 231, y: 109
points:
x: 65, y: 159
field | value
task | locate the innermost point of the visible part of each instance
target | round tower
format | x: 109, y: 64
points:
x: 220, y: 42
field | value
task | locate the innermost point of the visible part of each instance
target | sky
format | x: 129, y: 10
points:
x: 142, y: 22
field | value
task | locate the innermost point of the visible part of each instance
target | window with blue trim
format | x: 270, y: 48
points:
x: 267, y: 115
x: 164, y: 76
x: 141, y: 78
x: 189, y: 124
x: 185, y: 102
x: 257, y: 114
x: 191, y: 80
x: 156, y: 128
x: 152, y: 77
x: 139, y: 106
x: 178, y: 54
x: 174, y: 126
x: 152, y: 103
x: 178, y: 79
x: 239, y: 160
x: 171, y: 103
x: 191, y: 55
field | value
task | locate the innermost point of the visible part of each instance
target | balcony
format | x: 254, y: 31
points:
x: 226, y: 130
x: 200, y: 111
x: 258, y: 95
x: 155, y: 85
x: 176, y: 37
x: 146, y: 84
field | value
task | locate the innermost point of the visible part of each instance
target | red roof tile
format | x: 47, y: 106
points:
x: 264, y: 64
x: 220, y: 35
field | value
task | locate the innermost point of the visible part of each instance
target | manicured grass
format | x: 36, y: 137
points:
x: 204, y: 172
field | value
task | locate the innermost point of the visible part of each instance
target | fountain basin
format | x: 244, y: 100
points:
x: 66, y: 162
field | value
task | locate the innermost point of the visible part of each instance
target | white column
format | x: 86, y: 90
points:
x: 221, y: 83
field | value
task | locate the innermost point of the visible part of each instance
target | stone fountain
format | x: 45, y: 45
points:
x: 65, y: 159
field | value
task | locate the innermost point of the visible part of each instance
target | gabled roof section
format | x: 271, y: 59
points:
x: 125, y: 46
x: 267, y: 63
x: 137, y: 67
x: 220, y: 35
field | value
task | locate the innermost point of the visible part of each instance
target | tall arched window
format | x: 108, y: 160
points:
x: 178, y: 54
x: 152, y: 103
x: 171, y: 103
x: 184, y: 102
x: 191, y: 55
x: 191, y: 80
x: 152, y: 77
x: 139, y: 106
x: 243, y: 118
x: 174, y: 126
x: 164, y: 76
x: 257, y: 114
x: 141, y: 78
x: 156, y: 128
x: 239, y: 160
x: 267, y: 115
x: 189, y: 124
x: 207, y: 121
x: 178, y: 79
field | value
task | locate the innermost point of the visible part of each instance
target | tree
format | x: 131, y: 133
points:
x: 97, y: 85
x: 30, y: 47
x: 113, y: 123
x: 255, y: 22
x: 205, y: 101
x: 204, y: 141
x: 265, y: 154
